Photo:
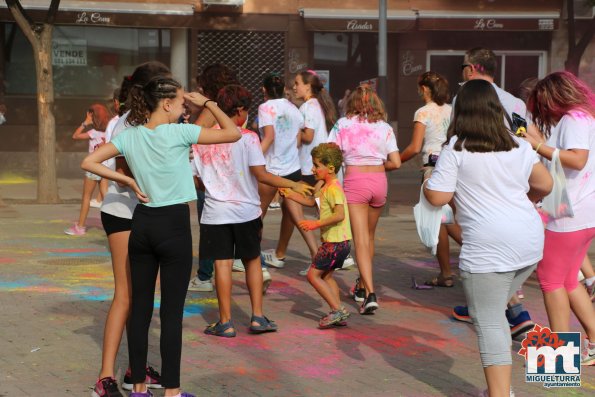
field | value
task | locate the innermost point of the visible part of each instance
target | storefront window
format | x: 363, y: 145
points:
x: 87, y: 61
x: 350, y: 59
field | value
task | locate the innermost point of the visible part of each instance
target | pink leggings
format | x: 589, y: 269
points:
x: 563, y: 256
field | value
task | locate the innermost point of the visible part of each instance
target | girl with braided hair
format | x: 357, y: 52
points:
x: 156, y: 149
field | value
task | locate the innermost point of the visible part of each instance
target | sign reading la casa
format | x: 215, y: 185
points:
x: 93, y: 18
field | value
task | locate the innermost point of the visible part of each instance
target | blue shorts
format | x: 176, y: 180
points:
x: 330, y: 256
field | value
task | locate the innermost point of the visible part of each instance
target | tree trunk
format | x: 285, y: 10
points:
x: 47, y: 184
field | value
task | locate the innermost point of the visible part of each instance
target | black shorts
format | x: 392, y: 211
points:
x: 115, y: 224
x: 295, y: 176
x: 231, y: 241
x: 309, y: 179
x: 330, y: 256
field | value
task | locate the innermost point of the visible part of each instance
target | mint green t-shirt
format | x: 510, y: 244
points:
x: 159, y: 161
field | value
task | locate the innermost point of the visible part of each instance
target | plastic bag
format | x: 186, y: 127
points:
x: 427, y: 220
x: 557, y: 204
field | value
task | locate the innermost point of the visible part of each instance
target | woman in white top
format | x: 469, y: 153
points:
x: 563, y: 108
x: 280, y: 123
x: 369, y: 149
x: 493, y: 176
x: 93, y: 130
x: 430, y: 123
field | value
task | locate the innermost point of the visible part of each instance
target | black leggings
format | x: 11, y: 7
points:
x: 160, y: 241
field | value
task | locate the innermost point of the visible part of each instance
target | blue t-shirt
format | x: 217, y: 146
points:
x: 159, y: 161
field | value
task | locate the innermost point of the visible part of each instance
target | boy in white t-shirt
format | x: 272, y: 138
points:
x: 231, y: 224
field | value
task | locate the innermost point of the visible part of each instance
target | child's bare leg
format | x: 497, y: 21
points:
x: 315, y: 277
x: 587, y: 268
x: 102, y: 189
x: 88, y: 187
x: 223, y: 281
x: 330, y: 280
x: 254, y: 283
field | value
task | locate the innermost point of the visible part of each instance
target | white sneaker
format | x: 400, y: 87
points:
x: 348, y: 263
x: 271, y: 259
x: 305, y: 271
x: 199, y: 285
x: 266, y: 280
x: 588, y: 354
x: 95, y: 204
x: 486, y: 394
x: 237, y: 266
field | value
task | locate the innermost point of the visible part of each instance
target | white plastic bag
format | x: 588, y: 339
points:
x: 427, y: 220
x: 557, y: 204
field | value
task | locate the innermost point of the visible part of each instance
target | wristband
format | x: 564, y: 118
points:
x: 207, y: 101
x: 537, y: 147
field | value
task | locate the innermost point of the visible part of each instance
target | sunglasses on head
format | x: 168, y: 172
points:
x: 463, y: 66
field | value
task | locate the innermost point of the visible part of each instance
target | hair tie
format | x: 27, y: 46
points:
x: 129, y: 77
x: 312, y: 72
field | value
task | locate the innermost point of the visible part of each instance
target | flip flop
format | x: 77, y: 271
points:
x: 441, y: 281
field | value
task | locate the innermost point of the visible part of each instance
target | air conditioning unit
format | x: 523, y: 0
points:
x: 233, y: 3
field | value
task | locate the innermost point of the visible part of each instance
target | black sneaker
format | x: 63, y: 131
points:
x: 370, y: 304
x: 152, y: 380
x: 358, y: 294
x: 106, y: 387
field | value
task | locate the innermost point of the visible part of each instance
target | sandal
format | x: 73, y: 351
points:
x: 221, y: 329
x: 441, y: 281
x: 264, y: 325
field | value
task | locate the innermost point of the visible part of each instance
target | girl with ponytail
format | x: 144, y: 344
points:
x: 156, y: 148
x: 369, y: 149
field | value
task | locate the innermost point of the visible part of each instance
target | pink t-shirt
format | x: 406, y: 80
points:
x: 96, y: 139
x: 363, y: 143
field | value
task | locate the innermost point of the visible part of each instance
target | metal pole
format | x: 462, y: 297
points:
x: 382, y: 80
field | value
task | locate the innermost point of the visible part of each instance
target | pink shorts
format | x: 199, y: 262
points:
x: 365, y: 188
x: 563, y: 255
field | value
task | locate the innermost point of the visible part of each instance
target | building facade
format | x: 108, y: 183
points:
x: 96, y: 43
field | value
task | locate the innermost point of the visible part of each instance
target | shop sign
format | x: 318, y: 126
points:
x: 93, y: 18
x: 356, y: 25
x: 487, y: 24
x: 69, y: 52
x: 408, y: 66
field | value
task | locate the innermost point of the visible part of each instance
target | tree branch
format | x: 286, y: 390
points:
x: 53, y: 10
x: 23, y: 20
x: 582, y: 44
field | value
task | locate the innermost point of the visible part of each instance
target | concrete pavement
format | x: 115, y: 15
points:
x: 55, y: 291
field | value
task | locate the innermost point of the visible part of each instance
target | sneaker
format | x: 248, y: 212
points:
x: 334, y: 317
x: 370, y: 304
x: 141, y: 394
x: 275, y: 205
x: 461, y: 313
x: 305, y: 271
x: 348, y: 263
x: 266, y: 280
x: 358, y: 294
x: 152, y: 380
x: 485, y: 393
x: 76, y: 230
x: 591, y: 291
x: 237, y: 266
x: 95, y: 204
x: 271, y: 259
x: 106, y: 387
x: 520, y: 324
x: 344, y: 313
x: 198, y: 285
x: 588, y: 353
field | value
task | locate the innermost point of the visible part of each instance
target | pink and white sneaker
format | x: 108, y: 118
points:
x: 76, y: 230
x: 152, y: 380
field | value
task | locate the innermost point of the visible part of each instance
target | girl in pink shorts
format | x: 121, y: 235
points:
x: 369, y: 149
x: 563, y: 109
